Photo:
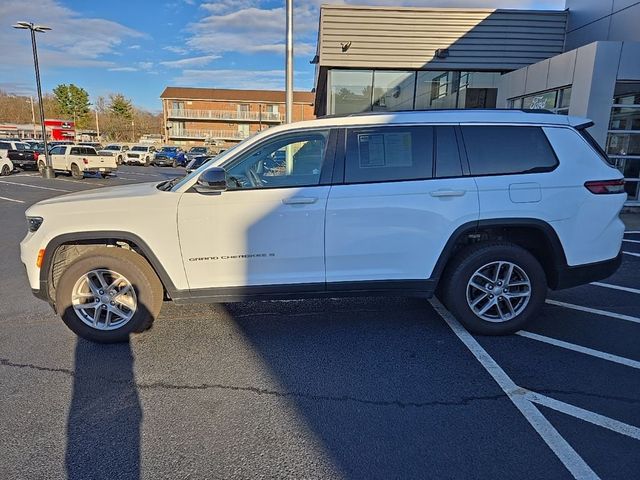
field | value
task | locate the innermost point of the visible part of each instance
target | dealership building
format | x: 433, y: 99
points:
x: 582, y: 61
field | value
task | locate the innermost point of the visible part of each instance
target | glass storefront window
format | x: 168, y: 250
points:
x: 623, y: 141
x: 393, y: 90
x: 350, y: 91
x: 541, y: 101
x: 625, y: 118
x: 436, y: 90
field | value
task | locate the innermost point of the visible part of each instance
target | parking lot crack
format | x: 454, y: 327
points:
x: 7, y: 363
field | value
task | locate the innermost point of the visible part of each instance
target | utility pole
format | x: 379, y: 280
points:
x: 33, y: 116
x: 97, y: 126
x: 289, y: 64
x: 47, y: 171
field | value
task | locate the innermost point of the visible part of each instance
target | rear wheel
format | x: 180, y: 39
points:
x: 5, y: 170
x: 41, y: 166
x: 494, y: 288
x: 108, y: 294
x: 75, y: 172
x: 174, y: 164
x: 146, y: 162
x: 119, y: 160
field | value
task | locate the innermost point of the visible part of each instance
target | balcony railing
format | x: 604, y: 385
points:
x: 224, y: 115
x: 208, y: 134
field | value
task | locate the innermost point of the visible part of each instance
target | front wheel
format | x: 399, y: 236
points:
x: 5, y: 170
x: 146, y: 162
x: 107, y: 294
x: 119, y: 160
x: 41, y: 166
x: 494, y: 288
x: 174, y: 164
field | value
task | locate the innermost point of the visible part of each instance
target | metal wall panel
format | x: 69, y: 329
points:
x: 477, y: 39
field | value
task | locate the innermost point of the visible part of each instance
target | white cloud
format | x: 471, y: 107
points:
x: 176, y: 49
x: 74, y: 40
x: 243, y: 79
x: 122, y: 69
x: 190, y: 62
x: 145, y: 65
x: 134, y: 47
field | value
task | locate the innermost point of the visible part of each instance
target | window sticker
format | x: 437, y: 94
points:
x: 397, y: 149
x: 372, y: 151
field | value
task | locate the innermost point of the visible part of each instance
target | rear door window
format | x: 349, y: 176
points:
x: 382, y: 154
x: 502, y: 150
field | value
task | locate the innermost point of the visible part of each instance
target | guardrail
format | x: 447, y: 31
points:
x: 209, y: 134
x: 224, y: 115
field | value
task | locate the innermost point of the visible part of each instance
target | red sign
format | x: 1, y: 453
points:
x: 61, y: 129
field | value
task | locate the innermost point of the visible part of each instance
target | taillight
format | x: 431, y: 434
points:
x: 86, y: 162
x: 600, y: 187
x: 35, y: 155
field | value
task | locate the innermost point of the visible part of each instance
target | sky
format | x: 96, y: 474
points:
x: 138, y: 47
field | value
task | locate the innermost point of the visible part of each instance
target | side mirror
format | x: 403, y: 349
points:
x: 212, y: 180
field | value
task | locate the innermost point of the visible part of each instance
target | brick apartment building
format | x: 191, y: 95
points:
x: 222, y: 117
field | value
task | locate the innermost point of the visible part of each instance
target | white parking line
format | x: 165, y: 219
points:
x: 605, y: 313
x: 145, y: 174
x: 616, y: 287
x: 582, y: 414
x: 565, y: 453
x: 631, y: 253
x: 579, y: 348
x: 11, y: 200
x: 630, y: 241
x: 82, y: 182
x: 35, y: 186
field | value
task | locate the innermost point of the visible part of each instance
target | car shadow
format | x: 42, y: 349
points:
x: 105, y: 416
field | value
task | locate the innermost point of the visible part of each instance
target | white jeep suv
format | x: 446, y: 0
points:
x: 489, y: 207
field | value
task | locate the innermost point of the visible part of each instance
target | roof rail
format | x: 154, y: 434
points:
x: 436, y: 110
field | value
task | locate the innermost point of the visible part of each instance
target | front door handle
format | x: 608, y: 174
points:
x: 447, y: 193
x: 299, y: 200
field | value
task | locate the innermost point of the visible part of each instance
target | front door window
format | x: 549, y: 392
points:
x: 295, y: 160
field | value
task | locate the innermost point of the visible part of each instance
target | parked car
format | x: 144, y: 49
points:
x: 140, y: 155
x: 78, y: 160
x: 115, y: 150
x: 169, y: 156
x: 491, y: 208
x: 196, y: 152
x: 197, y: 162
x: 20, y: 154
x: 6, y: 166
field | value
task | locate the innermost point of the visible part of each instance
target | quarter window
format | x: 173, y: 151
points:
x: 388, y: 154
x: 292, y: 161
x: 500, y: 150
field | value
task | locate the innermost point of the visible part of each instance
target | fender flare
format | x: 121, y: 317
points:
x: 56, y: 242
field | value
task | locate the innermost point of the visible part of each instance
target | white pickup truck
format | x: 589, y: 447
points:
x: 80, y: 159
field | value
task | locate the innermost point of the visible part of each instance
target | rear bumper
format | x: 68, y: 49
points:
x: 579, y: 275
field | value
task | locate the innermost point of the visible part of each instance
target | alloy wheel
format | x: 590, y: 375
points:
x: 104, y: 299
x: 498, y: 291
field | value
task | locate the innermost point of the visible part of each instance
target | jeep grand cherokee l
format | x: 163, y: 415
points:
x: 489, y: 207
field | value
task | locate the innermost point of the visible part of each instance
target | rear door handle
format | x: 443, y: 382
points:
x: 299, y: 200
x: 447, y: 193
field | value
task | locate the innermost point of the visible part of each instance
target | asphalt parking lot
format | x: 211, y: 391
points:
x: 347, y: 388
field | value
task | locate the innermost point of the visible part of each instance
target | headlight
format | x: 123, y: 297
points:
x: 34, y: 223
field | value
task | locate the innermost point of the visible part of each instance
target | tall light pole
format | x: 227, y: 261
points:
x: 47, y: 172
x: 289, y: 65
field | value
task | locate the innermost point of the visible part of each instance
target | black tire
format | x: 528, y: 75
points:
x: 174, y: 164
x: 5, y: 171
x: 75, y: 172
x: 119, y: 160
x: 146, y: 162
x: 41, y: 166
x: 467, y: 262
x: 138, y: 272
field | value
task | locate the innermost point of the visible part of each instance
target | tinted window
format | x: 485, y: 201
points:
x: 59, y: 150
x: 5, y: 146
x: 389, y: 153
x: 507, y: 149
x: 75, y: 151
x: 447, y: 154
x: 20, y: 146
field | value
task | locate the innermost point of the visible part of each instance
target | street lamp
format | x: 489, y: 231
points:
x: 47, y: 172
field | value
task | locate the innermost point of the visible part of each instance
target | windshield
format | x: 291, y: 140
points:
x: 198, y: 150
x: 139, y: 149
x: 222, y: 158
x: 112, y: 147
x: 169, y: 149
